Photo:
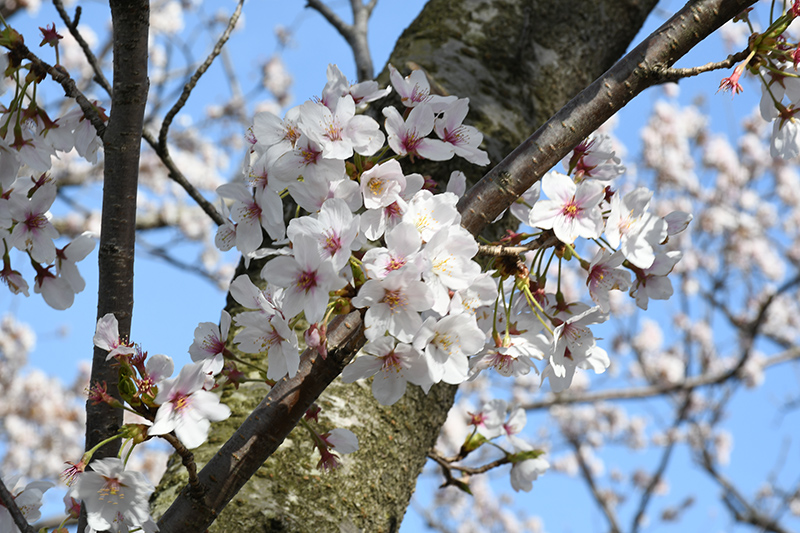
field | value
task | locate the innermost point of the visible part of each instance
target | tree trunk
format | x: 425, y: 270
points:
x: 518, y: 62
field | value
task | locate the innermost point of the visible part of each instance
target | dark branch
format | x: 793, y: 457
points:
x: 190, y: 85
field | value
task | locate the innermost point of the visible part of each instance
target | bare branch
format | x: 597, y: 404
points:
x: 72, y: 26
x: 598, y: 496
x: 675, y: 74
x: 741, y: 509
x: 662, y: 466
x: 355, y: 34
x: 190, y: 85
x: 654, y: 390
x: 178, y: 177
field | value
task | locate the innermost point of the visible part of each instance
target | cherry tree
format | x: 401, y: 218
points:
x: 378, y: 230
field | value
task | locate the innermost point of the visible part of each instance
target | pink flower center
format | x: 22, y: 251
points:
x: 394, y: 299
x: 307, y: 280
x: 111, y: 488
x: 391, y: 362
x: 334, y: 132
x: 310, y: 157
x: 393, y: 211
x: 36, y: 221
x: 396, y: 263
x: 181, y: 402
x: 570, y: 209
x: 332, y: 243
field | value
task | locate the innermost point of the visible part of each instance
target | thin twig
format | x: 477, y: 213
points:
x: 70, y: 88
x: 674, y: 74
x: 439, y: 458
x: 601, y: 501
x: 187, y: 458
x: 741, y: 509
x: 190, y: 85
x: 8, y: 501
x: 662, y: 467
x: 654, y: 390
x: 177, y: 176
x: 72, y: 26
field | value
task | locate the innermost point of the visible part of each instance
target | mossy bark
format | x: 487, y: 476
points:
x: 518, y: 62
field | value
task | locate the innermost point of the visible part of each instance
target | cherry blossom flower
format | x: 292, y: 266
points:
x: 595, y: 159
x: 574, y: 210
x: 512, y: 359
x: 273, y: 336
x: 67, y: 257
x: 252, y: 214
x: 446, y: 343
x: 525, y: 472
x: 335, y: 229
x: 186, y: 408
x: 489, y: 420
x: 107, y: 337
x: 394, y: 304
x: 340, y: 132
x: 633, y: 229
x: 381, y: 185
x: 653, y: 282
x: 785, y: 141
x: 415, y: 89
x: 464, y: 139
x: 33, y: 232
x: 605, y: 275
x: 307, y: 278
x: 409, y: 137
x: 412, y: 89
x: 209, y: 344
x: 574, y: 346
x: 449, y: 255
x: 429, y: 213
x: 115, y: 499
x: 393, y: 364
x: 305, y: 162
x: 338, y: 440
x: 374, y: 222
x: 28, y: 500
x: 270, y: 131
x: 403, y: 246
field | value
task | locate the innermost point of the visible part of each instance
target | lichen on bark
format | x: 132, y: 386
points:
x: 518, y: 62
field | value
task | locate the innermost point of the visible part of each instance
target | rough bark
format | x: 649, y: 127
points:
x: 518, y: 62
x: 121, y: 146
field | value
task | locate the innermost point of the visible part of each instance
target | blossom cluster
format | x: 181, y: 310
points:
x: 29, y: 139
x: 773, y: 58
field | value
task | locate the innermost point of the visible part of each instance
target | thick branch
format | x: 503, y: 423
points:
x: 121, y: 144
x: 592, y: 107
x: 264, y: 430
x: 355, y: 34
